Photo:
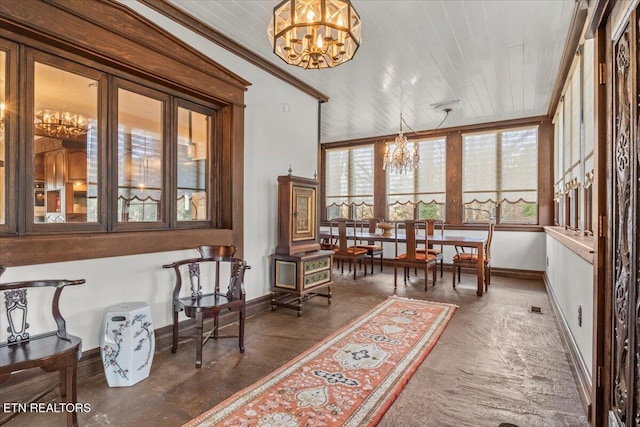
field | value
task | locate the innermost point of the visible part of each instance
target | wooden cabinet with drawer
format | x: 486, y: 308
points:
x: 296, y: 278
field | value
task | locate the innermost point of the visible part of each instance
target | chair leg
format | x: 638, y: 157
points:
x: 453, y: 276
x: 434, y: 273
x: 354, y: 268
x: 395, y: 276
x: 442, y: 267
x: 216, y: 324
x: 62, y: 378
x: 372, y: 263
x: 381, y: 266
x: 487, y: 277
x: 459, y: 274
x: 241, y: 330
x: 71, y: 373
x: 199, y: 327
x: 174, y: 347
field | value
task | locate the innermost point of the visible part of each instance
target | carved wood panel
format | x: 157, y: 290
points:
x: 626, y: 308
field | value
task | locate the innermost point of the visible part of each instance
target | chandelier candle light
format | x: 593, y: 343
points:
x: 315, y: 33
x: 401, y: 159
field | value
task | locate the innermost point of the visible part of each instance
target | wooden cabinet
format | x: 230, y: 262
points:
x: 300, y: 277
x: 297, y: 215
x: 65, y: 185
x: 299, y: 269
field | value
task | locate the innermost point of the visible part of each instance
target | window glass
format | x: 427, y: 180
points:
x: 64, y: 146
x: 193, y: 173
x: 479, y: 177
x: 140, y: 162
x: 349, y: 182
x: 500, y: 176
x: 420, y: 194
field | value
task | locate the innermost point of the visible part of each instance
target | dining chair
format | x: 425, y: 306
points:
x: 342, y: 250
x: 373, y: 250
x: 470, y: 259
x: 432, y: 224
x: 415, y: 257
x: 206, y: 300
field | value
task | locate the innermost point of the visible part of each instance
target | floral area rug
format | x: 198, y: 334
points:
x: 349, y: 379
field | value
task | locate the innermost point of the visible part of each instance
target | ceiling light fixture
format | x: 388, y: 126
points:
x: 61, y: 124
x: 315, y: 33
x: 401, y: 159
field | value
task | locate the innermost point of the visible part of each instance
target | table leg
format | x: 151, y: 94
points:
x: 480, y: 270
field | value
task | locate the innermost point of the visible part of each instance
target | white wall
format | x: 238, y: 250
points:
x: 274, y: 139
x: 571, y: 280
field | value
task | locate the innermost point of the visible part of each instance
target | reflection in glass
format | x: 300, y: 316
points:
x: 65, y: 146
x: 139, y: 157
x: 193, y: 172
x: 3, y: 190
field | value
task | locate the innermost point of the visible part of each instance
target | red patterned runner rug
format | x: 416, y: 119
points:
x: 348, y: 379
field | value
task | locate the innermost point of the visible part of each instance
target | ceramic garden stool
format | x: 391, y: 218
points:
x: 127, y: 343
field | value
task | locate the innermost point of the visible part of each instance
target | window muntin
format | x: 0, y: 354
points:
x: 140, y: 157
x: 194, y: 140
x: 349, y: 182
x: 420, y: 194
x: 500, y: 176
x: 64, y: 147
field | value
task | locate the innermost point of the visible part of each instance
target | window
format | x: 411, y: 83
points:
x: 63, y: 182
x: 500, y: 176
x: 50, y: 85
x: 574, y: 148
x: 194, y: 136
x: 72, y: 185
x: 349, y: 182
x: 140, y: 157
x: 420, y: 194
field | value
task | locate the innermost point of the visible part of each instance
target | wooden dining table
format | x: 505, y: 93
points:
x: 436, y: 239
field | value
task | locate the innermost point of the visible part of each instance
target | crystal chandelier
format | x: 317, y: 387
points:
x: 61, y: 124
x: 401, y: 159
x: 315, y: 33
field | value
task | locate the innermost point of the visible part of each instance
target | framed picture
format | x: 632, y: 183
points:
x: 304, y: 213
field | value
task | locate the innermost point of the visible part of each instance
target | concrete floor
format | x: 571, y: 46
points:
x: 496, y: 362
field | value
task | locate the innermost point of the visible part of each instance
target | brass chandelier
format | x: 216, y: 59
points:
x: 315, y: 33
x: 61, y: 124
x: 401, y: 158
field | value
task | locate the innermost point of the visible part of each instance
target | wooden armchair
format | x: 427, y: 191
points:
x: 415, y: 257
x: 369, y: 226
x: 200, y: 305
x: 51, y: 351
x: 470, y: 259
x: 342, y: 250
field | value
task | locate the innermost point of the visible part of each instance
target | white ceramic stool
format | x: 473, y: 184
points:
x: 127, y: 343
